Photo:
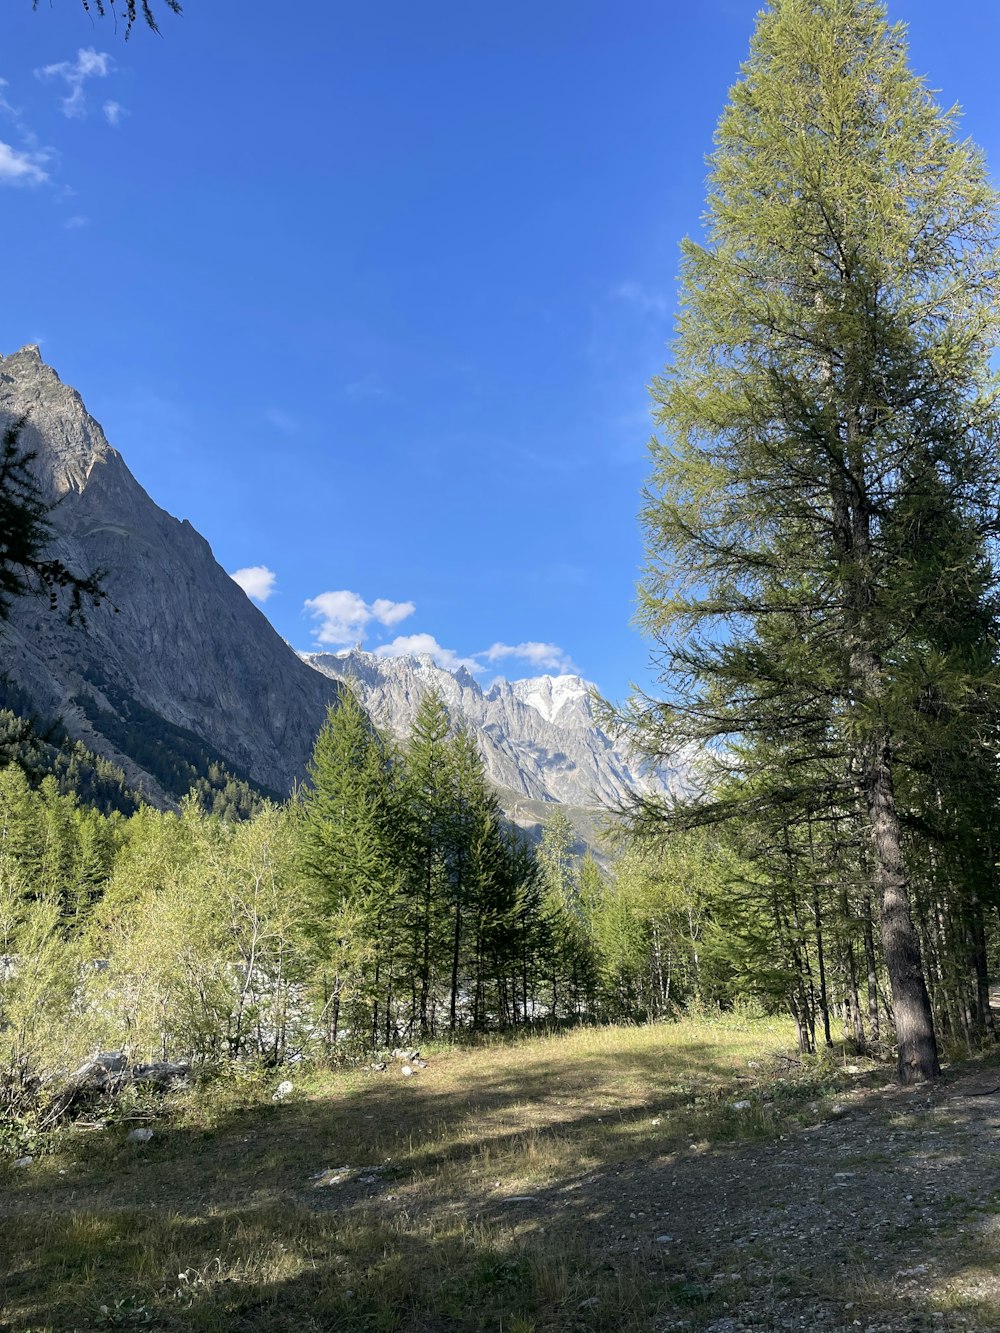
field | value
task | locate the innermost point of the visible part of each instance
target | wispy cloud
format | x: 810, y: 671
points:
x: 412, y: 645
x: 18, y: 168
x: 257, y: 581
x: 114, y: 113
x: 75, y: 222
x: 343, y: 617
x: 646, y: 300
x: 368, y: 386
x: 281, y: 420
x: 89, y: 64
x: 5, y: 107
x: 542, y: 656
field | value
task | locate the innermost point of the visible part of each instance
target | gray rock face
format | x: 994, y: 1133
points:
x: 539, y: 738
x: 185, y: 642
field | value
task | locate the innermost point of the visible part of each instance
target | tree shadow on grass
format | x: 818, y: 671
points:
x: 224, y: 1230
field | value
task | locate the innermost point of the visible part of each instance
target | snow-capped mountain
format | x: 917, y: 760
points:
x: 540, y: 738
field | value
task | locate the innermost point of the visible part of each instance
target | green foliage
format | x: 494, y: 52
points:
x: 821, y: 518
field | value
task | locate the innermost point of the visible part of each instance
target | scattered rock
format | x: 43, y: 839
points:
x: 112, y: 1061
x: 417, y: 1063
x: 742, y: 1106
x: 164, y: 1073
x: 406, y: 1071
x: 24, y: 1161
x: 521, y: 1198
x: 664, y: 1240
x: 138, y: 1136
x: 378, y: 1067
x: 332, y: 1175
x: 284, y: 1089
x: 91, y: 1076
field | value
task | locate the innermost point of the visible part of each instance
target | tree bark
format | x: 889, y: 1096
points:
x: 918, y: 1056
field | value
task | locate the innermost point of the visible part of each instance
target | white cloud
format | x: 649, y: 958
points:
x: 114, y: 113
x: 21, y: 168
x: 5, y: 106
x: 344, y: 616
x: 540, y: 655
x: 643, y: 299
x: 408, y: 645
x: 391, y: 613
x: 76, y: 221
x: 89, y: 64
x: 257, y: 581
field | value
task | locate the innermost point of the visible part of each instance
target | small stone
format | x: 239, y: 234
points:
x: 742, y: 1106
x: 520, y: 1198
x: 138, y: 1136
x: 664, y: 1240
x: 284, y: 1089
x: 334, y: 1175
x: 838, y: 1109
x: 406, y: 1071
x: 379, y: 1068
x: 112, y: 1061
x: 24, y: 1161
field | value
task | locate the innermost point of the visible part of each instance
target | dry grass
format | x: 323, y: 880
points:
x: 217, y: 1224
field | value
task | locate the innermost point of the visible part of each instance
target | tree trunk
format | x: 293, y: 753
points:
x: 918, y: 1056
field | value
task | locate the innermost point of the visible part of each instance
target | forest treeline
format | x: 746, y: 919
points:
x: 390, y: 901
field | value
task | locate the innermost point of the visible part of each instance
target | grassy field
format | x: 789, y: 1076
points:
x: 479, y: 1194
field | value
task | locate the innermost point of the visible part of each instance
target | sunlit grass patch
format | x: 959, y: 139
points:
x: 220, y: 1223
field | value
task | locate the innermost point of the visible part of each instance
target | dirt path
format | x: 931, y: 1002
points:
x: 869, y: 1220
x: 884, y: 1218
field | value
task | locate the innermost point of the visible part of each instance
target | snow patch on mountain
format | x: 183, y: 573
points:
x: 540, y: 738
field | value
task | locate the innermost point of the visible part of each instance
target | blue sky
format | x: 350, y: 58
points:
x: 371, y: 292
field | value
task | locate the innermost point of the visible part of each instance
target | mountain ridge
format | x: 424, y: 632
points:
x: 540, y: 737
x: 177, y: 640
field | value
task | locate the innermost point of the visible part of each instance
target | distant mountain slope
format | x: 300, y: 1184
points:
x: 539, y: 738
x: 187, y: 671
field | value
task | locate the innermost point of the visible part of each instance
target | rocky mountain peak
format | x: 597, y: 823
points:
x: 178, y: 657
x: 539, y: 737
x: 58, y: 428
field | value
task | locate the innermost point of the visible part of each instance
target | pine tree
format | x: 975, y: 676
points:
x: 427, y: 783
x: 349, y: 851
x: 830, y: 383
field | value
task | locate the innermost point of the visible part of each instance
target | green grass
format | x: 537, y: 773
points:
x: 217, y: 1224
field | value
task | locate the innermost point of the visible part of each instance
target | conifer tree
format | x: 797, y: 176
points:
x: 830, y: 386
x: 427, y: 784
x: 349, y: 851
